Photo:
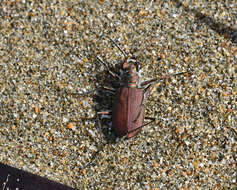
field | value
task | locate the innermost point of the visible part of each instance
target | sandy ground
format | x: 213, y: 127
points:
x: 47, y: 59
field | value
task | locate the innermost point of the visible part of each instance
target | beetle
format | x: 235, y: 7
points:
x: 128, y: 108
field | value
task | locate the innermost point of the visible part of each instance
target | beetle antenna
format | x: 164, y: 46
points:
x: 102, y: 62
x: 124, y: 54
x: 107, y: 67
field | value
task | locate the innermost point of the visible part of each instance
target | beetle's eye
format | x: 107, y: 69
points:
x: 130, y: 62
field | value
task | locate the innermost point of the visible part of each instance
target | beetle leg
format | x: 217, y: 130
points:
x: 146, y: 93
x: 153, y: 120
x: 111, y: 90
x: 100, y: 128
x: 124, y: 54
x: 147, y: 90
x: 139, y: 113
x: 104, y: 113
x: 126, y: 135
x: 155, y: 80
x: 97, y: 117
x: 150, y: 83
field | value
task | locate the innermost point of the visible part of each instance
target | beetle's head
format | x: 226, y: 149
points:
x: 130, y: 65
x: 130, y: 72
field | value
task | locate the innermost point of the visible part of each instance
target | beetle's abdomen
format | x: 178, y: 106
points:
x: 126, y: 108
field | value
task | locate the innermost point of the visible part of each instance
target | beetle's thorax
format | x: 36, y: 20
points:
x: 129, y: 74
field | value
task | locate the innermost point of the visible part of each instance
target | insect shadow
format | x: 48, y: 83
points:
x: 103, y: 100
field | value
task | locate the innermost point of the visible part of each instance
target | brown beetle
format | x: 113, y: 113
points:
x: 128, y: 108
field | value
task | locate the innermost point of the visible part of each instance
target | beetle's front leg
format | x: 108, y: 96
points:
x: 155, y: 80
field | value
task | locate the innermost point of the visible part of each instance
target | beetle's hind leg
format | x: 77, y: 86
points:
x: 138, y: 128
x: 150, y: 118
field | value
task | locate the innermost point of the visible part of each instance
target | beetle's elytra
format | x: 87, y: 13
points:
x: 127, y: 113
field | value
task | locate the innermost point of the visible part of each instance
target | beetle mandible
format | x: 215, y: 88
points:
x: 128, y: 108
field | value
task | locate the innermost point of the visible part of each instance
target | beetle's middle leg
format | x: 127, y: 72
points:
x: 148, y: 86
x: 145, y: 95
